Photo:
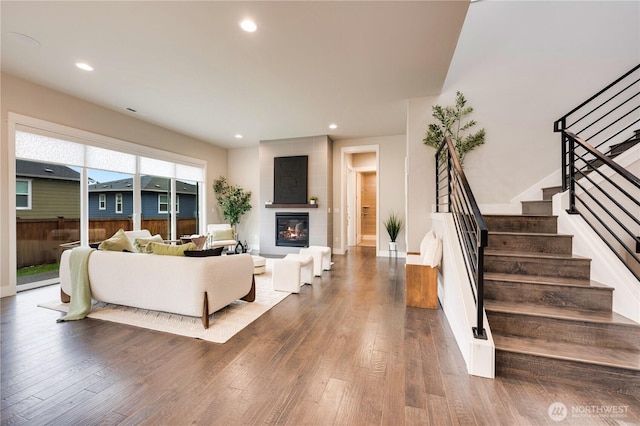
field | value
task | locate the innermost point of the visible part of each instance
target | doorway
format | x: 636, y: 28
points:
x: 368, y: 195
x: 360, y: 196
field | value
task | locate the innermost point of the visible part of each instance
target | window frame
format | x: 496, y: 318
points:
x: 29, y: 193
x: 167, y: 203
x: 102, y: 201
x: 119, y: 203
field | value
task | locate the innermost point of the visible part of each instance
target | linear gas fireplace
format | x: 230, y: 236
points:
x: 292, y: 229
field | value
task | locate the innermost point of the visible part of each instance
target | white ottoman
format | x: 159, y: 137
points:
x: 321, y: 258
x: 292, y: 272
x: 306, y: 266
x: 259, y: 264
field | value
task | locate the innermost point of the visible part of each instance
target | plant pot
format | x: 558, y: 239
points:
x: 312, y: 201
x: 393, y: 246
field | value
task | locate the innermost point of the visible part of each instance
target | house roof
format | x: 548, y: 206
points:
x: 188, y: 67
x: 148, y: 183
x: 35, y: 169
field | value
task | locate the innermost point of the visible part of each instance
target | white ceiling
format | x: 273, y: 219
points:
x: 188, y: 67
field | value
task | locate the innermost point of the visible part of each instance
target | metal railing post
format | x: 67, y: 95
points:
x: 572, y: 175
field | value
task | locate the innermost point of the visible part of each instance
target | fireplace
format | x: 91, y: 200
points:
x: 292, y: 229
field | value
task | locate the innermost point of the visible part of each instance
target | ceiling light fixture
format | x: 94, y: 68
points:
x: 333, y: 126
x: 84, y: 66
x: 238, y: 136
x: 248, y: 25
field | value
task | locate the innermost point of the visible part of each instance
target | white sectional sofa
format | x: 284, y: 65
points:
x: 192, y: 286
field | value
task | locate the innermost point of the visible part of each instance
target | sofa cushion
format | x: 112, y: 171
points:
x: 171, y: 250
x: 223, y: 234
x: 118, y: 242
x: 142, y: 244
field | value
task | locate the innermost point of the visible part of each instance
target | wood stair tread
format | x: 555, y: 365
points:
x: 608, y: 357
x: 545, y: 280
x: 533, y: 255
x: 530, y: 234
x: 561, y: 313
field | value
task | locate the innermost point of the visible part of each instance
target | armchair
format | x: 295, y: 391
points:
x: 220, y: 235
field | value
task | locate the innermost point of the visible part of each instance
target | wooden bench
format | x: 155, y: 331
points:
x: 422, y: 273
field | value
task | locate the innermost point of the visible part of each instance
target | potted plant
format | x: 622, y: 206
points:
x: 450, y: 118
x: 233, y: 200
x: 393, y: 225
x: 313, y: 199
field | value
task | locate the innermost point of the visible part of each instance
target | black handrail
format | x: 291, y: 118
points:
x: 557, y: 124
x: 608, y: 202
x: 452, y: 187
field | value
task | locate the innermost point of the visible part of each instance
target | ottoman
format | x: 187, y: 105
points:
x: 259, y: 264
x: 321, y: 258
x: 292, y: 272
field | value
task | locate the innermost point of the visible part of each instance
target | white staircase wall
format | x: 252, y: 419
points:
x: 456, y: 298
x: 606, y: 268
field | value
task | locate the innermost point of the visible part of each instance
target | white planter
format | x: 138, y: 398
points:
x: 393, y: 246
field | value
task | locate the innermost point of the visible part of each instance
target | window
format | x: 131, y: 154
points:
x: 102, y: 202
x: 23, y: 194
x: 118, y: 203
x: 163, y: 203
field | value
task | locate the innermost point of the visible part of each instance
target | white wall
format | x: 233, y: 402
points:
x: 522, y: 65
x: 391, y: 191
x: 23, y: 97
x: 243, y: 167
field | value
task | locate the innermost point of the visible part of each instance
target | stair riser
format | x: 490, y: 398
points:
x: 546, y: 267
x: 599, y: 299
x: 537, y: 207
x: 561, y: 330
x: 548, y: 193
x: 531, y: 367
x: 557, y: 244
x: 543, y: 224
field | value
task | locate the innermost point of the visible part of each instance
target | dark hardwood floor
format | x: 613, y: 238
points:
x: 344, y: 351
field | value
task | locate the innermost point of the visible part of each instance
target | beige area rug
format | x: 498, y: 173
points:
x: 223, y: 324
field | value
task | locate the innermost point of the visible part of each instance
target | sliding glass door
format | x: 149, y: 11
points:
x: 72, y: 191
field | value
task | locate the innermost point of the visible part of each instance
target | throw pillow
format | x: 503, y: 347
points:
x: 142, y: 244
x: 119, y: 242
x: 433, y: 253
x: 171, y: 250
x: 223, y: 234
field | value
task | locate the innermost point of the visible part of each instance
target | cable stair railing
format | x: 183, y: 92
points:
x: 454, y: 195
x: 602, y: 191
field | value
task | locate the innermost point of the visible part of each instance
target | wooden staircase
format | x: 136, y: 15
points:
x: 547, y: 317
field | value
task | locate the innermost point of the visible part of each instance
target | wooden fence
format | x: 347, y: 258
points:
x: 38, y: 240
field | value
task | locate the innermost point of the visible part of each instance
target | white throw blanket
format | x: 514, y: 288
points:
x: 80, y: 290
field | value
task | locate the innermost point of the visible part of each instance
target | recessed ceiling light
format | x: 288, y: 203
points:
x: 333, y: 126
x: 83, y: 66
x: 248, y: 25
x: 238, y: 136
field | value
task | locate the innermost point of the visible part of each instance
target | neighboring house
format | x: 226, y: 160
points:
x: 45, y: 191
x: 114, y: 199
